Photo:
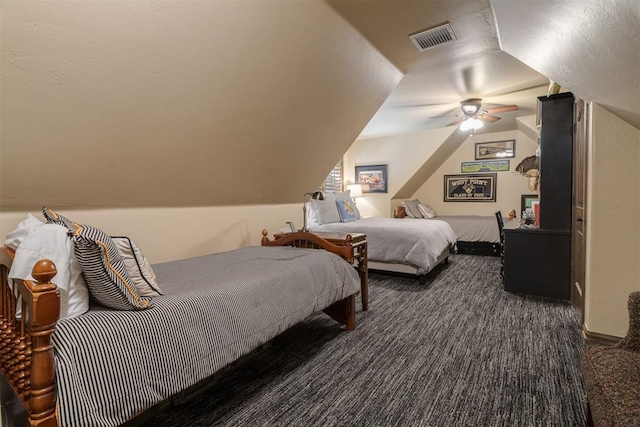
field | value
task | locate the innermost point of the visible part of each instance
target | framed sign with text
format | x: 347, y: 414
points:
x: 470, y: 188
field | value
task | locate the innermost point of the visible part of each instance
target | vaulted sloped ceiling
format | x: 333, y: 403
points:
x: 590, y: 47
x: 129, y: 104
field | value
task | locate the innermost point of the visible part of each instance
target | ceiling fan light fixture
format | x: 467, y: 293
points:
x: 471, y: 106
x: 471, y: 124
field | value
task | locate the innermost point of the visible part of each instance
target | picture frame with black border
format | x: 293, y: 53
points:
x: 495, y: 150
x: 526, y: 199
x: 373, y: 178
x: 470, y: 187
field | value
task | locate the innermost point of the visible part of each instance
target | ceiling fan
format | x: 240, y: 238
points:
x: 473, y: 115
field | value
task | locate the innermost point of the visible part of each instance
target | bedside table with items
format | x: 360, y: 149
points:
x: 357, y: 241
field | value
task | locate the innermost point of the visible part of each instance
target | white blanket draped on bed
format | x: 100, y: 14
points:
x: 112, y: 365
x: 415, y: 243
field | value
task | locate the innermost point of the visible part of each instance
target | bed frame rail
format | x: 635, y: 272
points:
x: 26, y: 351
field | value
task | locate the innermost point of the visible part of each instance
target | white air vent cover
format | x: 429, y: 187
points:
x: 435, y: 36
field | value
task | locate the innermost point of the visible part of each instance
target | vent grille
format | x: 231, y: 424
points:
x: 427, y: 39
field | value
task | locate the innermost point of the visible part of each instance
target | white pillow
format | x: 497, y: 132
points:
x: 326, y: 211
x: 407, y: 212
x: 344, y: 196
x: 51, y: 241
x: 139, y: 269
x: 426, y: 211
x: 411, y: 207
x: 21, y: 231
x: 331, y: 197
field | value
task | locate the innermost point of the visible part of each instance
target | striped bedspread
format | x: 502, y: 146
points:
x: 415, y: 243
x: 112, y: 365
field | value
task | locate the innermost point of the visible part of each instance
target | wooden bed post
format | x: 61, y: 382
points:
x: 44, y: 310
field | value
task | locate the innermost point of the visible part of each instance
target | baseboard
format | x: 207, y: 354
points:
x: 598, y: 338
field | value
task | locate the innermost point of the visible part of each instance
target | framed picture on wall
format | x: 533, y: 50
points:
x: 485, y: 166
x: 496, y: 150
x: 470, y: 188
x: 372, y: 178
x: 526, y: 201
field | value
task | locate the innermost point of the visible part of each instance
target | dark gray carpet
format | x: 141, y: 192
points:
x: 459, y: 351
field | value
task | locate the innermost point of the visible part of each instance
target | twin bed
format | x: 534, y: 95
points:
x: 476, y: 234
x: 108, y: 366
x: 413, y: 247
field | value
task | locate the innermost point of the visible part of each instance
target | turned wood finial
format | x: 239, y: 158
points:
x: 265, y: 233
x: 43, y: 271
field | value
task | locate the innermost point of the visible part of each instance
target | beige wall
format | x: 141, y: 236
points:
x: 166, y: 234
x: 403, y: 155
x: 120, y: 104
x: 613, y: 223
x: 509, y: 186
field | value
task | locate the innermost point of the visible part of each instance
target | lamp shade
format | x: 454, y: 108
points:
x: 355, y: 190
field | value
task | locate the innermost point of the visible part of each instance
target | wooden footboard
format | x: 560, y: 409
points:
x: 343, y: 311
x: 26, y: 351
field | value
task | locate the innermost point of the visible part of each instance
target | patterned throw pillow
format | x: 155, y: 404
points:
x: 138, y: 267
x: 426, y: 211
x: 347, y: 211
x: 55, y: 218
x: 344, y: 196
x: 104, y: 269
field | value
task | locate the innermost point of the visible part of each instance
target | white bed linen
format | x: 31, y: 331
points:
x: 50, y: 241
x: 416, y: 243
x: 472, y: 228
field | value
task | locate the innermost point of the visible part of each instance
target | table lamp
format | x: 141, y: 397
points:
x: 355, y: 190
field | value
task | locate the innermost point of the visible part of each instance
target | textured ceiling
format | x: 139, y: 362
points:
x: 587, y: 46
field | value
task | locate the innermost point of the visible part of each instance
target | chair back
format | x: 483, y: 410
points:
x: 501, y: 233
x: 500, y: 226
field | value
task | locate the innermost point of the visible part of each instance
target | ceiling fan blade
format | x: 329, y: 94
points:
x: 421, y: 105
x: 445, y: 117
x: 455, y: 122
x: 502, y: 109
x: 489, y: 118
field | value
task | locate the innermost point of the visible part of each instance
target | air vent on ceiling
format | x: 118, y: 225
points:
x: 433, y: 37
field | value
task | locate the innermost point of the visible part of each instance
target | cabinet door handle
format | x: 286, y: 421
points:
x: 579, y: 219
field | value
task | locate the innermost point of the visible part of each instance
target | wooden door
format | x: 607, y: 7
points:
x: 580, y: 154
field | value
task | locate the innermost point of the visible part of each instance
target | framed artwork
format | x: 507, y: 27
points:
x: 496, y: 150
x: 485, y: 166
x: 470, y: 188
x: 526, y: 201
x: 372, y: 178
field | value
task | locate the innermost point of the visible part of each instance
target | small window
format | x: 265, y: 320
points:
x: 333, y: 181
